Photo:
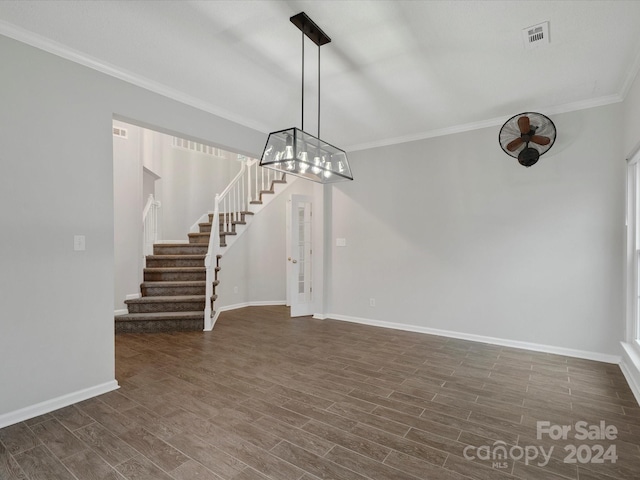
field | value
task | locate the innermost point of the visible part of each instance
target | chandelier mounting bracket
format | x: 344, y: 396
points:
x: 310, y: 29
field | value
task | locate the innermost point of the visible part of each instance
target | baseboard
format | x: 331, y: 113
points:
x: 236, y: 306
x: 55, y: 403
x: 121, y: 311
x: 630, y: 366
x: 569, y: 352
x: 132, y: 296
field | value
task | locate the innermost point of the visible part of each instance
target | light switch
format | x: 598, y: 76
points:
x: 79, y: 243
x: 341, y: 242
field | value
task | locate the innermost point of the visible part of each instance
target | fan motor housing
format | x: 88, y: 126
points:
x: 528, y: 157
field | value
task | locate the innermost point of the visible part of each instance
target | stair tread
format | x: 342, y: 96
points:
x: 173, y: 283
x: 173, y: 244
x: 174, y: 269
x: 167, y: 299
x: 159, y: 316
x: 175, y: 256
x: 221, y: 222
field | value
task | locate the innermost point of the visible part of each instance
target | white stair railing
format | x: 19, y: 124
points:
x: 259, y: 179
x: 230, y: 207
x: 149, y: 227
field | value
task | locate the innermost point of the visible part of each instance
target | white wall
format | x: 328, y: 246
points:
x: 189, y: 184
x: 451, y: 234
x: 631, y: 118
x: 256, y: 263
x: 57, y: 339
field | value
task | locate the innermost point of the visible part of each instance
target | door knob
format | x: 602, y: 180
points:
x: 294, y: 261
x: 289, y: 258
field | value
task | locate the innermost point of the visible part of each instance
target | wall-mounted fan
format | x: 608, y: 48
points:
x: 526, y: 136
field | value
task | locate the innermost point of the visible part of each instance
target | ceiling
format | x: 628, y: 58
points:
x: 394, y: 71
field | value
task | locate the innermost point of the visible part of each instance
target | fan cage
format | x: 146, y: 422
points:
x: 510, y: 131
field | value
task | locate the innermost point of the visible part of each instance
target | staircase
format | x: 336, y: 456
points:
x: 174, y: 289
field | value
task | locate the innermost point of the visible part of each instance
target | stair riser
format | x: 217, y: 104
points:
x: 239, y: 216
x: 174, y: 262
x: 156, y: 307
x: 223, y: 228
x: 146, y: 326
x: 161, y: 291
x: 183, y: 249
x: 199, y: 239
x: 175, y: 276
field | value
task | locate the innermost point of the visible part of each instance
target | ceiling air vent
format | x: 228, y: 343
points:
x: 536, y: 36
x: 119, y: 132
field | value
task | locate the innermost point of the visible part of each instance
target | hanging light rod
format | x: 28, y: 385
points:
x: 310, y: 29
x: 296, y: 152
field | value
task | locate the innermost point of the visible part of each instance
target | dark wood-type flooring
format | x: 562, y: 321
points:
x: 265, y: 396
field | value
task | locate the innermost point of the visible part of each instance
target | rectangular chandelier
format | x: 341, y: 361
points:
x: 296, y: 152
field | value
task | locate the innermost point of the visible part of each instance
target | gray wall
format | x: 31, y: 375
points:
x: 451, y: 234
x: 446, y: 233
x: 127, y: 213
x: 57, y: 181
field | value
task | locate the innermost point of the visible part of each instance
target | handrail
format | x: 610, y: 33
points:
x: 228, y: 209
x: 210, y: 261
x: 149, y: 227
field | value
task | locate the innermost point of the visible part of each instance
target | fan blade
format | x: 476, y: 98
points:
x: 514, y: 144
x: 540, y: 140
x: 524, y: 124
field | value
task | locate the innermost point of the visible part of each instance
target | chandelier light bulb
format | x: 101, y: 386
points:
x: 327, y: 172
x: 288, y: 152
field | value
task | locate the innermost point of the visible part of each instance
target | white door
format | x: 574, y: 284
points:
x: 300, y: 259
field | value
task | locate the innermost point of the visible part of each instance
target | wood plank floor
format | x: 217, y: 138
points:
x: 265, y: 396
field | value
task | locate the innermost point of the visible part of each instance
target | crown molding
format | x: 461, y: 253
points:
x: 60, y: 50
x: 440, y: 132
x: 63, y: 51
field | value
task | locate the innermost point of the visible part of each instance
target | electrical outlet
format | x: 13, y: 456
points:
x: 79, y: 243
x: 372, y: 302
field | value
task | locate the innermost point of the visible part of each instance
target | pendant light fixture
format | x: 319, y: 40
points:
x: 296, y: 152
